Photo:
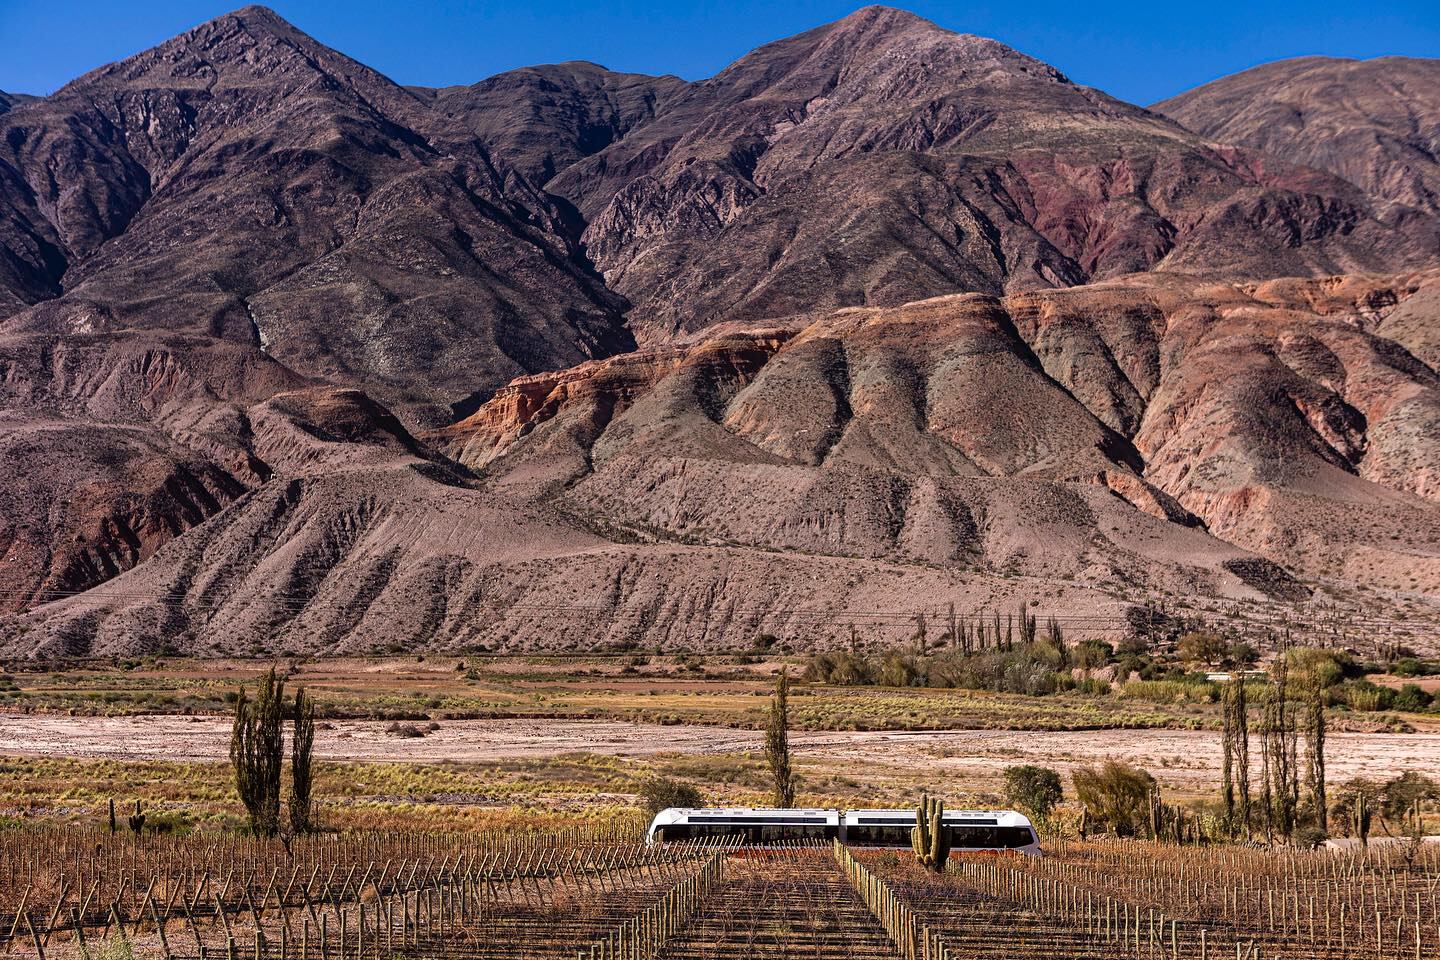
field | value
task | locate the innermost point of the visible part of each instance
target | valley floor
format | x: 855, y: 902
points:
x: 1188, y: 760
x: 464, y: 743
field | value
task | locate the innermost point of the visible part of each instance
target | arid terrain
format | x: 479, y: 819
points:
x: 957, y: 761
x: 880, y: 320
x: 510, y: 737
x: 418, y: 500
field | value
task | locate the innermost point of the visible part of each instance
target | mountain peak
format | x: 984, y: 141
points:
x: 256, y: 11
x: 249, y: 46
x: 879, y: 17
x: 255, y: 19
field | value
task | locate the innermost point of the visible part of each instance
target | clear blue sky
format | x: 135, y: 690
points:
x: 1137, y: 51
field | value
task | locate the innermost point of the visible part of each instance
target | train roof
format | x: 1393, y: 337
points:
x: 999, y: 818
x: 746, y: 815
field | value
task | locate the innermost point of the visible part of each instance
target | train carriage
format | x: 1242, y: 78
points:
x: 969, y: 830
x: 744, y: 825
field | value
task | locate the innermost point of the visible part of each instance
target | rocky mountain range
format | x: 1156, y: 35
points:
x: 879, y: 319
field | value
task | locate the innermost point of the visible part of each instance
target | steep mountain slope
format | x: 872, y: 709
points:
x: 294, y: 358
x: 246, y: 182
x: 543, y: 119
x: 881, y: 159
x: 1151, y: 433
x: 1273, y: 415
x: 1376, y: 123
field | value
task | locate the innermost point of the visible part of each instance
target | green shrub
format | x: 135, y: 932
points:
x: 1366, y: 697
x: 1171, y: 691
x: 1314, y: 665
x: 1410, y: 697
x: 1036, y: 790
x: 1092, y: 654
x: 1414, y: 667
x: 840, y: 669
x: 660, y: 793
x: 1115, y: 796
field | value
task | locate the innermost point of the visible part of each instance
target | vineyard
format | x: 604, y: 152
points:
x: 603, y: 895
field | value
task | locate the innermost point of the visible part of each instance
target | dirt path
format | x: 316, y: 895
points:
x: 1179, y: 757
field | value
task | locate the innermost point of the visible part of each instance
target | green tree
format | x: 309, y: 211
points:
x: 257, y: 753
x: 1202, y: 646
x: 777, y: 744
x: 1314, y: 722
x: 1244, y: 654
x: 302, y: 745
x: 1358, y: 793
x: 1402, y: 793
x: 1412, y: 697
x: 662, y: 793
x: 1116, y: 795
x: 1036, y: 790
x: 1092, y: 654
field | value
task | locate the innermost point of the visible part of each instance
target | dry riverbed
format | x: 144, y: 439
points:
x: 1188, y: 760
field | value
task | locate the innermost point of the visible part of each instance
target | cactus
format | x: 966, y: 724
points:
x: 929, y: 839
x: 113, y: 827
x: 1360, y: 819
x: 1084, y: 826
x: 137, y: 822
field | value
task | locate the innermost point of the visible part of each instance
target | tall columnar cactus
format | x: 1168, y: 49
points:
x: 137, y: 820
x: 929, y: 838
x: 1360, y: 819
x: 113, y: 825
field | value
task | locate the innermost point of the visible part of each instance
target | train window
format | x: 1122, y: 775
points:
x: 746, y: 833
x: 878, y: 835
x: 990, y: 838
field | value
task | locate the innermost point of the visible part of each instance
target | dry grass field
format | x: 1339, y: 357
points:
x: 665, y: 690
x: 467, y: 744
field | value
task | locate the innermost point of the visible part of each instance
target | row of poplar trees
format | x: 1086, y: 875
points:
x: 257, y: 753
x: 1288, y: 712
x: 968, y: 639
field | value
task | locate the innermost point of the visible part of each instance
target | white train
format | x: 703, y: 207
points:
x: 970, y: 830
